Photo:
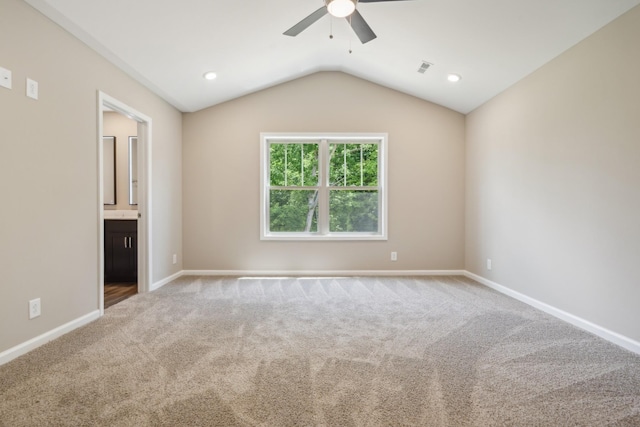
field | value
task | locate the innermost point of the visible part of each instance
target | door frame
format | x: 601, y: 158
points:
x: 108, y: 103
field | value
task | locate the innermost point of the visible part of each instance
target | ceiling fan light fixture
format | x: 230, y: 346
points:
x: 341, y: 8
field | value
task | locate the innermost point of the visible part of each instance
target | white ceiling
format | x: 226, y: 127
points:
x: 168, y: 44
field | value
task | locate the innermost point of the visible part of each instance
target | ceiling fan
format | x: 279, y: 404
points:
x: 339, y: 9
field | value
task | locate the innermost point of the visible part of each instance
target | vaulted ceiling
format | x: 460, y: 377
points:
x: 168, y: 45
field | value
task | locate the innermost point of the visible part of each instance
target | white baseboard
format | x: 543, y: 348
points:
x: 164, y: 281
x: 581, y: 323
x: 27, y: 346
x: 322, y: 273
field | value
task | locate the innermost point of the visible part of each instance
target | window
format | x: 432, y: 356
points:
x: 323, y: 187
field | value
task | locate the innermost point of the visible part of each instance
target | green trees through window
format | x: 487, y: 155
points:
x: 353, y: 180
x: 292, y: 207
x: 323, y: 186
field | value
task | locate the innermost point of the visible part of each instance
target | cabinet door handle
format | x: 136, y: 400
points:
x: 130, y: 242
x: 125, y: 242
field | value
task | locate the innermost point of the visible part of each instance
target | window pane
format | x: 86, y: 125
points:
x: 353, y: 165
x: 336, y: 162
x: 311, y: 164
x: 293, y: 165
x: 293, y: 210
x: 370, y: 164
x: 276, y: 164
x: 353, y: 211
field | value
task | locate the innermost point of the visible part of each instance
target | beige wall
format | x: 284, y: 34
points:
x: 122, y: 127
x: 553, y: 181
x: 48, y: 171
x: 222, y: 180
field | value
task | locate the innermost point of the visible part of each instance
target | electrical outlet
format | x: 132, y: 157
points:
x: 394, y: 256
x: 5, y: 78
x: 488, y: 263
x: 34, y: 308
x: 175, y: 258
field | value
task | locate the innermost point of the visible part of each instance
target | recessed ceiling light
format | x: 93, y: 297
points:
x: 210, y: 75
x: 454, y: 78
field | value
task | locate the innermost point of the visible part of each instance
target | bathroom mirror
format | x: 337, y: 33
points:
x: 133, y: 170
x: 109, y: 169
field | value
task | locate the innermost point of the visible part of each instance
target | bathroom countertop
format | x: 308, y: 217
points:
x: 120, y: 214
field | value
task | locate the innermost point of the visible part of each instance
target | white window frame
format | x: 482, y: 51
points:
x: 323, y: 213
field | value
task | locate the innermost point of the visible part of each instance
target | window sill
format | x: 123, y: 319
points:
x: 323, y: 237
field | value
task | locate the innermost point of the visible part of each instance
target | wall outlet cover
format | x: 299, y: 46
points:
x: 5, y: 78
x: 34, y: 308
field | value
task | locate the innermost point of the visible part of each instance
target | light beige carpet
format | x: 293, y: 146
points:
x: 435, y: 351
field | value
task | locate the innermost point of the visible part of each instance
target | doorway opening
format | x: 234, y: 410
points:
x: 137, y: 244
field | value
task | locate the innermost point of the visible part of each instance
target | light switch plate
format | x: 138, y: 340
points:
x: 32, y: 88
x: 5, y: 78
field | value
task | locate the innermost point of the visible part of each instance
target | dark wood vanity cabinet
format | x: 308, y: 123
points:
x: 120, y: 251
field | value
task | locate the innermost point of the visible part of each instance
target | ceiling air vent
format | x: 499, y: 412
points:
x: 424, y: 67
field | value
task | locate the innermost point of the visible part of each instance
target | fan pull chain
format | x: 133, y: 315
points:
x: 331, y: 28
x: 351, y: 37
